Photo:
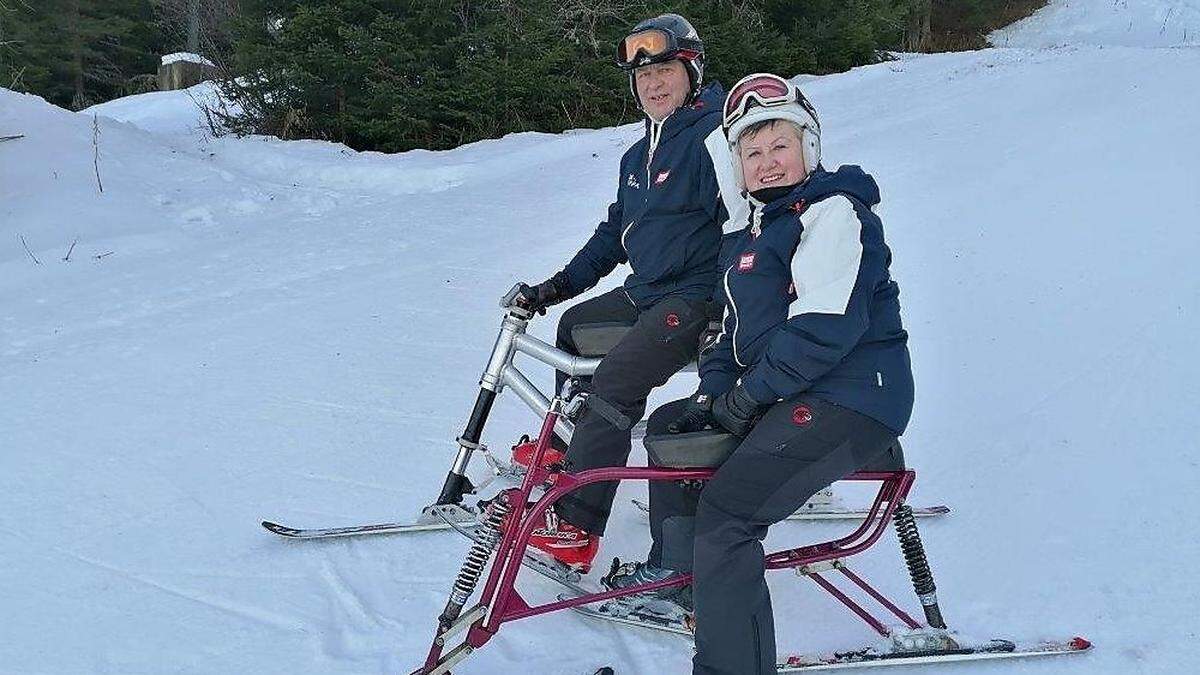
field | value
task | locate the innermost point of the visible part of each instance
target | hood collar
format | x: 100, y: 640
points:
x: 849, y: 179
x: 710, y: 101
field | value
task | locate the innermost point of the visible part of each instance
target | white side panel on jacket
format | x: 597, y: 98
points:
x: 825, y: 264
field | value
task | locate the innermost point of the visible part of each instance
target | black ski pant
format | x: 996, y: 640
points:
x: 661, y: 341
x: 798, y: 448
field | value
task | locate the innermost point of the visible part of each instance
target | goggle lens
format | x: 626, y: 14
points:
x: 766, y: 88
x: 650, y: 42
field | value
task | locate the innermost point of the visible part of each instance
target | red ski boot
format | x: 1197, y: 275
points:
x: 566, y: 543
x: 523, y: 451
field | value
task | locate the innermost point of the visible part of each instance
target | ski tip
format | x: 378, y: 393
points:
x: 605, y: 671
x: 276, y: 528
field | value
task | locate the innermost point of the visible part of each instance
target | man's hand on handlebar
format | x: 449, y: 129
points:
x: 537, y: 298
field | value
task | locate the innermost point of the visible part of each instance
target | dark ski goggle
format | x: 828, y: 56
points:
x: 766, y: 90
x: 651, y: 46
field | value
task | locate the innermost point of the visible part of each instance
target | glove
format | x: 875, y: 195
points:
x: 696, y: 415
x: 737, y: 411
x: 537, y: 298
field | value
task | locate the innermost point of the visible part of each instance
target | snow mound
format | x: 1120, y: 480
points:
x: 179, y: 112
x: 1129, y: 23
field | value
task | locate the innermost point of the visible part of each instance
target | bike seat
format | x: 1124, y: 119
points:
x: 710, y: 448
x: 596, y: 339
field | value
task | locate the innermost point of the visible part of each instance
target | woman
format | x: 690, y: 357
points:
x: 812, y: 369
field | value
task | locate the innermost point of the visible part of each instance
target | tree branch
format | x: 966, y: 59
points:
x: 31, y: 255
x: 96, y: 150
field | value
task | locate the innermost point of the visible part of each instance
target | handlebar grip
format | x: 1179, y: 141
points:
x: 509, y: 298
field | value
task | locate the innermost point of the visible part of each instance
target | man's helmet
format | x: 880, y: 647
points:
x: 664, y: 38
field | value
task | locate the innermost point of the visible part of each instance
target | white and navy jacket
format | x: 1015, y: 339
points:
x: 811, y: 306
x: 675, y: 198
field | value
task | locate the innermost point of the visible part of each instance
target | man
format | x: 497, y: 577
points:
x: 676, y: 191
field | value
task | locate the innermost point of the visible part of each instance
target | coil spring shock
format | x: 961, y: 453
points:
x: 918, y: 565
x: 477, y: 558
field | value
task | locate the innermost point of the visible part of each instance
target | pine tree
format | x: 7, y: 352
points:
x: 77, y: 52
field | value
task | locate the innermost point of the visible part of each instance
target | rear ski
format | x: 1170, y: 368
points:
x: 899, y: 656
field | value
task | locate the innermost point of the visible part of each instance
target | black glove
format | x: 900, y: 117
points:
x: 737, y: 411
x: 696, y: 415
x: 550, y: 292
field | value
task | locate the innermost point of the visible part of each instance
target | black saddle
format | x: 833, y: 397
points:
x: 597, y: 339
x: 710, y: 448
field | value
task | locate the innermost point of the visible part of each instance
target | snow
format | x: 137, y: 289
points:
x: 178, y: 112
x: 168, y: 59
x: 1132, y: 23
x: 250, y: 328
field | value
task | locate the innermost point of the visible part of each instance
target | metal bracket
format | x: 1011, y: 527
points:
x: 819, y: 567
x: 477, y: 612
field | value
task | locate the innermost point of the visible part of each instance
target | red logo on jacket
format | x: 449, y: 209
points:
x: 746, y: 262
x: 673, y: 320
x: 662, y: 177
x: 802, y: 415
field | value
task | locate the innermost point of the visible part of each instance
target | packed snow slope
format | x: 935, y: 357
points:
x: 1133, y: 23
x: 248, y: 328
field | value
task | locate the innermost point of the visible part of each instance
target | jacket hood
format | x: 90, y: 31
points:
x: 848, y: 180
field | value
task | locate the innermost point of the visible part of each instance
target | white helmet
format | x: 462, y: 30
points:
x: 761, y: 97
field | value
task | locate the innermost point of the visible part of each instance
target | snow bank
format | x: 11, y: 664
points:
x: 178, y: 112
x: 1131, y: 23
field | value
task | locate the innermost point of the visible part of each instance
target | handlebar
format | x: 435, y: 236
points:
x: 509, y: 301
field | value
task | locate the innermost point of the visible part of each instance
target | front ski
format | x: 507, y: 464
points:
x: 834, y: 511
x: 991, y: 650
x: 433, y: 517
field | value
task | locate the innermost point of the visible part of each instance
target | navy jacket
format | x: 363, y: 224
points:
x: 811, y: 306
x: 669, y: 214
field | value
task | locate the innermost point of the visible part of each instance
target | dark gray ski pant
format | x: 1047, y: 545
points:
x: 661, y: 341
x: 789, y: 456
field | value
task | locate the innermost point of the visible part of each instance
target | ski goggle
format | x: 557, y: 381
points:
x: 766, y: 90
x: 650, y: 46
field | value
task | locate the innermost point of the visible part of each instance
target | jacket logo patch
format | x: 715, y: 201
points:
x: 746, y: 262
x: 802, y: 415
x: 673, y: 320
x: 662, y: 177
x: 632, y: 181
